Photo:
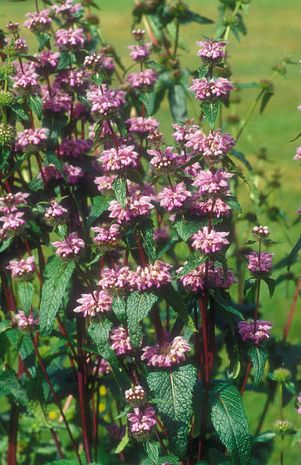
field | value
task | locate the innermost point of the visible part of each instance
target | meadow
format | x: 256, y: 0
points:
x: 274, y: 34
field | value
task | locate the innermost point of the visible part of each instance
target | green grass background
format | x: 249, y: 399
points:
x: 274, y: 32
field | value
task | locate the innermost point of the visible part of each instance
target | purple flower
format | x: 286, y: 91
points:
x: 118, y: 159
x: 137, y: 205
x: 21, y: 46
x: 57, y: 101
x: 256, y: 332
x: 10, y: 202
x: 166, y: 355
x: 142, y: 421
x: 55, y: 214
x: 26, y: 80
x: 47, y: 61
x: 23, y: 268
x: 139, y: 52
x: 105, y: 102
x: 70, y: 39
x: 211, y: 90
x: 67, y: 9
x: 142, y: 126
x: 97, y: 302
x: 143, y: 80
x: 215, y: 207
x: 69, y: 247
x: 209, y: 241
x: 13, y: 224
x: 261, y: 231
x: 115, y: 278
x: 168, y: 160
x: 25, y: 322
x: 183, y: 131
x: 135, y: 395
x: 73, y: 173
x: 299, y: 404
x: 104, y: 183
x: 212, y: 50
x: 72, y: 80
x: 213, y: 147
x: 207, y: 276
x: 104, y: 368
x: 212, y: 182
x: 121, y: 343
x: 31, y: 140
x: 297, y: 157
x: 38, y: 21
x: 260, y: 262
x: 173, y: 198
x: 50, y: 173
x: 107, y: 235
x: 153, y: 275
x: 74, y: 147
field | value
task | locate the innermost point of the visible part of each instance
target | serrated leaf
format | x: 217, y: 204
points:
x: 258, y: 356
x: 225, y: 303
x: 148, y: 242
x: 152, y: 450
x: 123, y: 443
x: 177, y: 102
x: 186, y: 229
x: 119, y: 307
x: 138, y: 306
x: 36, y: 105
x: 229, y: 421
x: 148, y: 99
x: 57, y: 276
x: 4, y: 158
x: 174, y: 389
x: 119, y: 187
x: 25, y: 295
x: 99, y: 205
x: 19, y: 112
x: 193, y: 262
x: 211, y: 110
x: 10, y: 386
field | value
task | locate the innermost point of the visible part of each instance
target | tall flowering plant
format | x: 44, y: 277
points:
x: 116, y: 305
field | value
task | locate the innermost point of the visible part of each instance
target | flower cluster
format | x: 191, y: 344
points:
x: 254, y: 331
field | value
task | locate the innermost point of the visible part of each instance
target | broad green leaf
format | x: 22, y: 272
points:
x: 57, y: 277
x: 35, y: 103
x: 99, y: 205
x: 186, y: 229
x: 119, y: 186
x: 119, y: 307
x: 148, y: 242
x: 10, y: 386
x: 188, y: 16
x: 258, y: 356
x: 27, y: 354
x: 138, y: 306
x: 148, y: 99
x: 174, y: 390
x: 266, y: 436
x: 6, y: 244
x: 177, y: 102
x: 152, y: 450
x: 230, y: 422
x: 4, y: 158
x: 211, y: 110
x: 193, y: 262
x: 271, y: 283
x: 25, y: 295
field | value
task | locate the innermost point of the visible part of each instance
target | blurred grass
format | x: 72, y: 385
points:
x: 274, y: 32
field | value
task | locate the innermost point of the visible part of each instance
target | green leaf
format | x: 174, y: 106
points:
x: 152, y: 450
x: 4, y: 158
x: 36, y: 105
x: 119, y: 187
x: 6, y: 244
x: 148, y: 242
x: 241, y: 157
x: 223, y: 301
x: 119, y: 307
x: 186, y: 229
x: 177, y: 102
x: 174, y: 391
x: 193, y: 262
x: 271, y: 283
x: 266, y: 436
x: 19, y: 112
x: 57, y: 276
x: 290, y: 387
x: 25, y: 295
x: 258, y: 356
x: 265, y: 100
x: 10, y: 386
x: 66, y: 60
x: 174, y: 299
x: 138, y: 307
x: 211, y: 110
x: 123, y: 443
x: 148, y: 99
x: 99, y: 205
x: 187, y: 16
x: 230, y: 422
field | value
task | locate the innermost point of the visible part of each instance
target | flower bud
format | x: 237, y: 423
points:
x: 282, y: 375
x: 261, y: 231
x: 6, y: 98
x: 7, y: 134
x: 135, y: 395
x: 283, y: 427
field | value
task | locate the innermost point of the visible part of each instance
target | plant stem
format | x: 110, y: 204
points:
x: 292, y: 311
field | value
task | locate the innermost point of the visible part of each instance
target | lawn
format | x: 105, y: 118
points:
x: 274, y: 33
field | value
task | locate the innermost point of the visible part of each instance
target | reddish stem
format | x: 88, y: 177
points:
x: 245, y: 380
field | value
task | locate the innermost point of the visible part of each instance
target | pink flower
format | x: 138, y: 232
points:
x: 260, y: 263
x: 69, y: 247
x: 153, y: 275
x: 74, y: 147
x: 31, y: 139
x: 212, y: 182
x: 104, y: 183
x: 10, y: 202
x: 105, y: 101
x: 20, y: 45
x: 104, y: 368
x: 67, y: 9
x: 73, y: 173
x: 135, y: 395
x: 297, y: 157
x: 13, y: 224
x: 209, y: 241
x: 212, y: 50
x: 138, y: 34
x: 97, y: 302
x: 23, y: 268
x: 213, y: 147
x: 143, y: 80
x: 137, y: 205
x: 261, y: 231
x: 121, y: 343
x: 211, y: 90
x: 215, y: 207
x: 207, y: 276
x: 72, y: 80
x: 115, y: 278
x: 107, y: 235
x: 139, y: 52
x: 56, y: 102
x: 26, y: 80
x: 47, y: 61
x: 173, y: 198
x: 142, y: 421
x: 256, y: 332
x: 119, y: 159
x: 38, y: 21
x: 165, y: 161
x: 50, y: 173
x: 166, y: 355
x: 56, y: 214
x: 142, y: 126
x: 70, y: 39
x: 25, y: 322
x: 184, y: 131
